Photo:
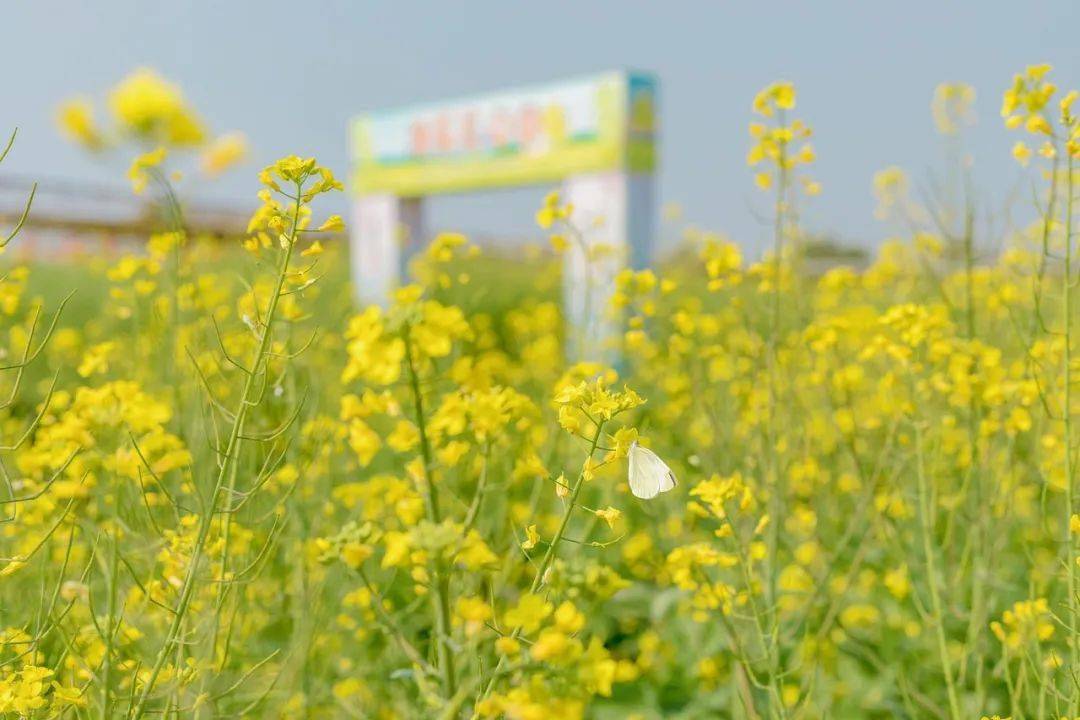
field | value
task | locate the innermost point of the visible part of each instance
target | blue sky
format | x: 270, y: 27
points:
x: 291, y: 74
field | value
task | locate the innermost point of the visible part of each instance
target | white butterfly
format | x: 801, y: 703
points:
x: 649, y: 475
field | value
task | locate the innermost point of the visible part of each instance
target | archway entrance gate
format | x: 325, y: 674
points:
x: 596, y: 135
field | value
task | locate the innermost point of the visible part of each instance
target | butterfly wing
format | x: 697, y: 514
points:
x: 665, y: 477
x: 649, y: 475
x: 643, y: 482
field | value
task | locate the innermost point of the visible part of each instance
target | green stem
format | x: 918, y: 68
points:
x: 1070, y: 541
x: 222, y: 590
x: 230, y: 458
x: 769, y: 646
x: 773, y: 460
x: 440, y: 597
x: 931, y: 579
x: 473, y: 512
x: 106, y: 671
x: 549, y: 555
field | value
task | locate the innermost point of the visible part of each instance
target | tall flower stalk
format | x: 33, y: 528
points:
x: 779, y: 149
x: 306, y: 180
x: 1027, y: 105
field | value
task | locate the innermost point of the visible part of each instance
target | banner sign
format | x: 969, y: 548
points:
x: 599, y: 123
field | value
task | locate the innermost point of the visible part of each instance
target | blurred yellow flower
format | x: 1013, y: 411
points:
x: 76, y: 120
x: 139, y: 174
x: 147, y: 106
x: 223, y: 153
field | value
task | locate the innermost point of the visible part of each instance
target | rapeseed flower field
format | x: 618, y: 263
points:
x: 227, y: 491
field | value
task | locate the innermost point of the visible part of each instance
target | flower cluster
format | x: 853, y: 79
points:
x: 148, y: 110
x: 214, y: 464
x: 783, y: 145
